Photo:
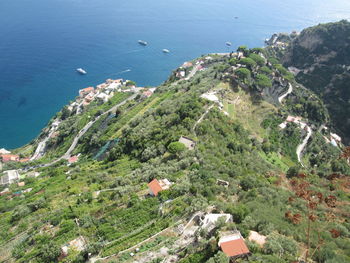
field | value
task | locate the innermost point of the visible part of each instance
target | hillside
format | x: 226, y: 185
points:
x: 232, y: 134
x: 320, y: 56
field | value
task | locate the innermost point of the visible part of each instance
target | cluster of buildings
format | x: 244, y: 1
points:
x: 231, y: 243
x: 6, y: 156
x: 184, y: 70
x: 292, y: 119
x: 333, y: 138
x: 105, y: 91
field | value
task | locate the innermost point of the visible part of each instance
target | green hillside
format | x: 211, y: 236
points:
x: 243, y: 163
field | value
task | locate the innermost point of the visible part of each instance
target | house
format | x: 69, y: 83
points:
x: 335, y: 137
x: 4, y: 151
x: 27, y: 190
x: 113, y: 86
x: 9, y: 177
x: 5, y: 192
x: 180, y: 74
x: 257, y: 238
x: 187, y: 65
x: 293, y: 119
x: 209, y: 220
x: 9, y: 158
x: 147, y: 93
x: 103, y: 96
x: 21, y: 184
x: 73, y: 159
x: 24, y: 160
x: 78, y: 244
x: 156, y: 186
x: 233, y: 245
x: 222, y: 182
x: 189, y: 143
x: 86, y: 91
x: 283, y: 125
x: 32, y: 174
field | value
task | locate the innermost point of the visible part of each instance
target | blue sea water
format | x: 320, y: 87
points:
x: 42, y: 42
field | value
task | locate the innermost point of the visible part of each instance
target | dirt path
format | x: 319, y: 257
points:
x: 201, y: 118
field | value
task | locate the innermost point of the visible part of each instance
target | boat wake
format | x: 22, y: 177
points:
x: 120, y: 72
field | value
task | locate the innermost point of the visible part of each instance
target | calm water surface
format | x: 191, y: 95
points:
x: 42, y: 42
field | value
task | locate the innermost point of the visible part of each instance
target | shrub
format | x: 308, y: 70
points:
x: 176, y: 147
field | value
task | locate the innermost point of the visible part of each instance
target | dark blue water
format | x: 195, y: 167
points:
x: 42, y: 42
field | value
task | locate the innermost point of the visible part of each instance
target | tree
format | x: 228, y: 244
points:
x: 265, y: 70
x: 243, y: 73
x: 243, y: 49
x: 130, y: 83
x: 263, y: 81
x: 176, y: 147
x: 219, y: 257
x: 248, y: 62
x: 257, y: 58
x: 50, y: 252
x: 293, y: 171
x: 65, y: 113
x: 233, y: 61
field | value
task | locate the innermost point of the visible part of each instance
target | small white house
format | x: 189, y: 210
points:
x: 190, y: 144
x: 210, y: 220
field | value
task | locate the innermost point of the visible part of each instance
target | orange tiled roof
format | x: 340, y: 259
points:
x: 155, y: 187
x: 234, y: 248
x: 73, y: 159
x: 9, y: 157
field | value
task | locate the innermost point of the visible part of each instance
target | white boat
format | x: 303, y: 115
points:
x: 81, y: 71
x: 166, y: 50
x: 228, y: 44
x: 143, y: 43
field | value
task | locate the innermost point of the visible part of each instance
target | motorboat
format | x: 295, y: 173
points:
x: 81, y: 71
x: 143, y: 43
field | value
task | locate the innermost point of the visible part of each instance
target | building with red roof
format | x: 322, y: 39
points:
x: 9, y: 158
x: 233, y: 245
x: 156, y: 186
x: 73, y: 159
x: 86, y: 91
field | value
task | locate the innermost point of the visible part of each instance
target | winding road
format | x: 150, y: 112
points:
x: 81, y: 134
x: 289, y: 91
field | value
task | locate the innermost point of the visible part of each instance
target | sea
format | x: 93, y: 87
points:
x: 42, y: 42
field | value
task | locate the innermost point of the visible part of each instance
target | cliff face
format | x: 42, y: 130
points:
x: 322, y: 54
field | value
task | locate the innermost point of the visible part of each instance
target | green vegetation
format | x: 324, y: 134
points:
x: 106, y: 201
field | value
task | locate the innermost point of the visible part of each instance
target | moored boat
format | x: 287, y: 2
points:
x: 81, y: 71
x: 143, y: 43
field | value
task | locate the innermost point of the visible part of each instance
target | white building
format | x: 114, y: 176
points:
x: 9, y: 177
x: 4, y: 151
x: 210, y: 220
